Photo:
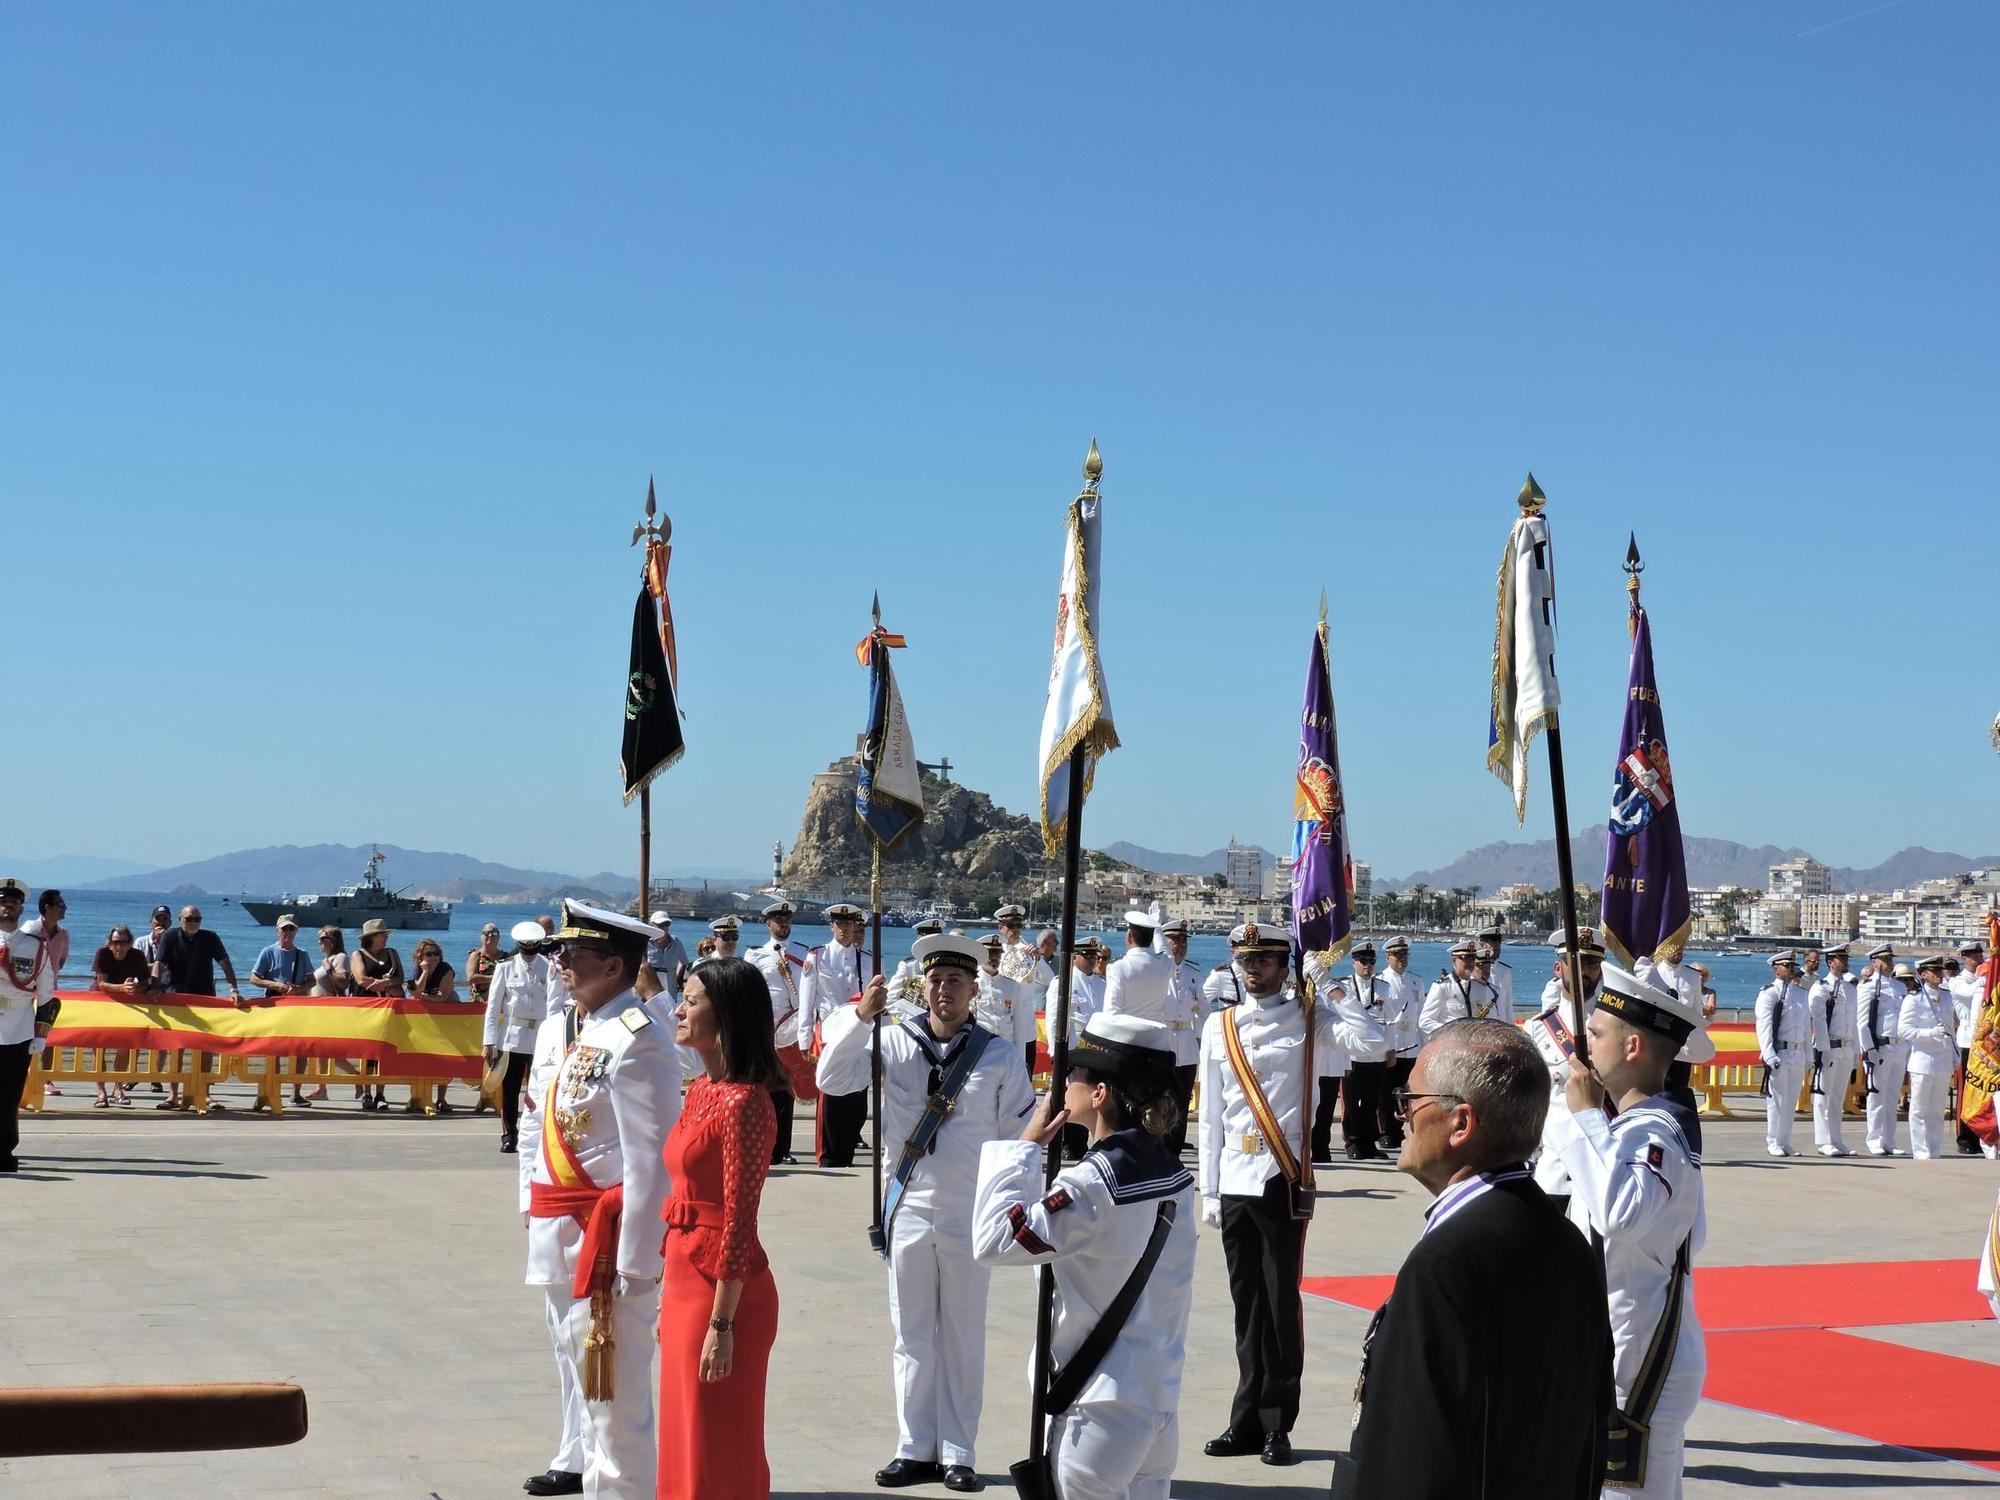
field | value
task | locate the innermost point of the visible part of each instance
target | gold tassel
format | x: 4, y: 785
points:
x: 598, y: 1350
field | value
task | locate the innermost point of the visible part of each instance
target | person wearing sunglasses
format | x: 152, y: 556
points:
x: 1468, y: 1386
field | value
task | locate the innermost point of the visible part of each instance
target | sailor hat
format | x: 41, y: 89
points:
x: 1933, y: 962
x: 1492, y: 931
x: 776, y: 909
x: 1396, y: 945
x: 582, y: 923
x: 843, y: 911
x: 1362, y: 949
x: 526, y: 934
x: 1146, y: 919
x: 1882, y: 950
x: 1011, y: 913
x: 993, y: 941
x: 1481, y: 954
x: 930, y: 924
x: 1129, y: 1047
x: 725, y: 927
x: 10, y: 887
x: 1175, y: 928
x: 1834, y: 950
x: 1655, y: 1008
x: 946, y: 950
x: 1464, y: 948
x: 1784, y: 956
x: 1972, y: 945
x: 1260, y: 937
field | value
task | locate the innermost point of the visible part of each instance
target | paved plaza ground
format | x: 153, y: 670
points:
x: 376, y: 1261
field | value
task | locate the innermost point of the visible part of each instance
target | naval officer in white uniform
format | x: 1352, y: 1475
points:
x: 1783, y: 1032
x: 1831, y: 1014
x: 1636, y: 1186
x: 1188, y: 1010
x: 1460, y: 995
x: 937, y: 1293
x: 1003, y: 1007
x: 517, y: 1002
x: 782, y: 962
x: 603, y: 1091
x: 1926, y: 1023
x: 1878, y: 1002
x: 834, y: 974
x: 1128, y: 1202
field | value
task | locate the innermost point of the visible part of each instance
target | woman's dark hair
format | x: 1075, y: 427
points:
x: 741, y: 1001
x: 1144, y: 1102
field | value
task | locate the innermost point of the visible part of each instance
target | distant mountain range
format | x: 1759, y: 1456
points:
x: 294, y: 869
x: 68, y: 869
x: 1211, y: 863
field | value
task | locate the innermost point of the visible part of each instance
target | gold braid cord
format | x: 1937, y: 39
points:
x: 599, y: 1352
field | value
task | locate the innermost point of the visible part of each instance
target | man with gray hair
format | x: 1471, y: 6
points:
x: 1467, y: 1387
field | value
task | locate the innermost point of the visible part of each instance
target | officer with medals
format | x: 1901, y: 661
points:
x: 1003, y: 1007
x: 1123, y: 1216
x: 1636, y: 1187
x: 948, y: 1087
x: 1878, y: 1001
x: 1831, y: 1006
x: 1552, y: 1030
x: 1499, y: 974
x: 603, y: 1091
x: 1460, y: 995
x: 782, y: 963
x: 906, y: 981
x: 834, y: 974
x: 1187, y: 1010
x: 1783, y: 1031
x: 1406, y: 1036
x: 1260, y: 1062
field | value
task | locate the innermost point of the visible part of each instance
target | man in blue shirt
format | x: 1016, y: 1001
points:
x: 282, y: 969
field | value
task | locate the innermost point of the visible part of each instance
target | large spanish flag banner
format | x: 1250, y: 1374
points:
x: 408, y: 1038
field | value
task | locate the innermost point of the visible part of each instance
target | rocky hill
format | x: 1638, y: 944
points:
x: 966, y: 845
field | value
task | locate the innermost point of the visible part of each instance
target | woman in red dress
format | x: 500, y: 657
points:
x: 718, y: 1304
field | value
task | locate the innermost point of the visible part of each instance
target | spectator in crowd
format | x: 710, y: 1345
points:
x: 151, y: 946
x: 118, y: 969
x: 186, y: 966
x: 375, y: 968
x: 330, y: 977
x: 704, y: 948
x: 432, y: 979
x: 281, y: 969
x: 667, y: 958
x: 480, y: 966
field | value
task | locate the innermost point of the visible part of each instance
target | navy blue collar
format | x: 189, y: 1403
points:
x: 1136, y: 1166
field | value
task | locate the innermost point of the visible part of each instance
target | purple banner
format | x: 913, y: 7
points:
x: 1645, y: 867
x: 1321, y: 875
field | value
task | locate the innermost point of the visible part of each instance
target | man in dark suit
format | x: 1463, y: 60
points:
x: 1488, y: 1371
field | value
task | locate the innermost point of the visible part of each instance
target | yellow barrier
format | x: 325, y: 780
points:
x: 1712, y: 1080
x: 197, y: 1072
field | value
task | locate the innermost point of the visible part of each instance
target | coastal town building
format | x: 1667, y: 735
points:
x: 1829, y: 918
x: 1923, y: 921
x: 1243, y: 870
x: 1796, y: 879
x: 1774, y: 917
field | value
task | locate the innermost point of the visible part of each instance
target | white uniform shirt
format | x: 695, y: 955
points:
x: 1503, y: 985
x: 619, y: 1088
x: 1966, y: 1000
x: 782, y: 963
x: 834, y: 975
x: 906, y: 991
x: 1636, y: 1181
x: 1783, y: 1028
x: 1454, y: 999
x: 1004, y: 1009
x: 996, y: 1100
x: 558, y: 987
x: 1878, y: 1001
x: 1273, y: 1030
x: 1364, y: 1026
x: 1092, y: 1226
x: 1552, y: 1030
x: 1679, y: 978
x: 1188, y: 1007
x: 1086, y: 998
x: 1141, y: 984
x: 1925, y: 1021
x: 517, y: 1002
x: 1834, y: 994
x: 1222, y: 988
x: 1404, y: 1011
x: 26, y: 981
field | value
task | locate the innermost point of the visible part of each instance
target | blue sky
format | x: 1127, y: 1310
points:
x: 341, y: 342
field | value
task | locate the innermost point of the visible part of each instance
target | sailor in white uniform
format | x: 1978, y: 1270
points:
x: 1362, y: 999
x: 1022, y: 961
x: 603, y: 1091
x: 1968, y: 998
x: 1260, y: 1064
x: 937, y: 1293
x: 1187, y: 1010
x: 1878, y: 1004
x: 1141, y: 981
x: 782, y: 962
x: 834, y: 974
x: 27, y: 983
x: 1460, y: 995
x: 906, y: 980
x: 1831, y: 1006
x: 1926, y: 1024
x: 1553, y: 1031
x: 1118, y: 1434
x: 1003, y: 1007
x: 1406, y: 1036
x: 517, y: 1002
x: 1086, y: 988
x: 1500, y: 974
x: 1783, y: 1033
x: 1636, y: 1184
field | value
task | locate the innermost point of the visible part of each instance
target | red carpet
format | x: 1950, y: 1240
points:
x: 1770, y: 1349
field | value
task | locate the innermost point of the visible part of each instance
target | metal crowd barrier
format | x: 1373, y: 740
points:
x: 198, y: 1072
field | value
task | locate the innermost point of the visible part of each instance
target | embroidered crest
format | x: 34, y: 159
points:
x: 572, y: 1125
x: 1057, y: 1201
x: 1655, y: 1155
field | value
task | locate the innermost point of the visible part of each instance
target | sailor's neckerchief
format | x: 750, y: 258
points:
x: 1136, y: 1166
x: 940, y: 1056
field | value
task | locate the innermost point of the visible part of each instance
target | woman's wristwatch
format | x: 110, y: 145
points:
x: 721, y: 1325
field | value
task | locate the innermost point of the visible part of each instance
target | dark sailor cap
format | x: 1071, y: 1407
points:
x: 1653, y: 1008
x: 1128, y: 1047
x: 946, y: 950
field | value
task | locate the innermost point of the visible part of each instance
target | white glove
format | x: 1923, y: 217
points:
x: 1211, y: 1212
x: 38, y: 1046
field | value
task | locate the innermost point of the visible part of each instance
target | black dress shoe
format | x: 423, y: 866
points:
x: 907, y: 1471
x: 961, y: 1477
x: 508, y: 1147
x: 1278, y: 1450
x: 555, y: 1482
x: 1231, y: 1445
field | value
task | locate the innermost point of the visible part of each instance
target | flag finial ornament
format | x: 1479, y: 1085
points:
x: 1531, y: 499
x: 1633, y: 568
x: 1093, y: 466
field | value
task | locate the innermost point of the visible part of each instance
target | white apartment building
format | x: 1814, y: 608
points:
x: 1774, y: 917
x: 1829, y: 917
x: 1798, y: 878
x: 1926, y: 922
x: 1243, y: 869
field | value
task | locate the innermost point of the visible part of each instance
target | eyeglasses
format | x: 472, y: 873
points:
x: 1402, y: 1098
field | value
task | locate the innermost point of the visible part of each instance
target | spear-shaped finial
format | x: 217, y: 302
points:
x: 1531, y: 499
x: 1633, y: 568
x: 658, y: 530
x: 651, y: 505
x: 875, y: 609
x: 1093, y: 466
x: 1322, y: 606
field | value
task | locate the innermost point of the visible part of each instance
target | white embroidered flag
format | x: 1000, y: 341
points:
x: 1079, y: 709
x: 1525, y: 696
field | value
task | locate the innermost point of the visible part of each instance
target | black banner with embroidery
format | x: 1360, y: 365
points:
x: 652, y: 718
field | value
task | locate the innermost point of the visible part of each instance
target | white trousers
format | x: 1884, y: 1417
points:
x: 1830, y: 1105
x: 569, y: 1452
x: 1928, y: 1093
x: 1783, y: 1103
x: 1888, y: 1096
x: 1666, y: 1447
x: 620, y: 1448
x: 1106, y: 1450
x: 937, y: 1306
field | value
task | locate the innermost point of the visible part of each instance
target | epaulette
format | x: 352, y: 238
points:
x: 637, y: 1019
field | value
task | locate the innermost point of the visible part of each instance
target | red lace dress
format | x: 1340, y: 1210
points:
x: 712, y: 1436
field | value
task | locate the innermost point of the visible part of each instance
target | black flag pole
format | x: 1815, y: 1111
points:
x: 1045, y: 1291
x: 875, y: 1231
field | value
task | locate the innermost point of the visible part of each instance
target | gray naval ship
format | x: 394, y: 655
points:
x: 352, y: 905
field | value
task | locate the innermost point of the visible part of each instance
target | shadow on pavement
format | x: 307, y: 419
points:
x: 1817, y: 1479
x: 139, y: 1166
x: 1873, y: 1453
